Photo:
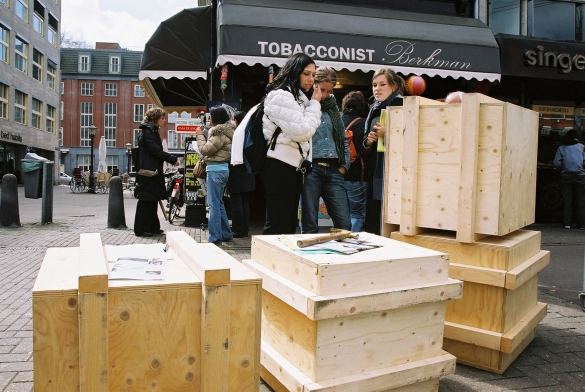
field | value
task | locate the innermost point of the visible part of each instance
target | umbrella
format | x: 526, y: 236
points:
x: 102, y: 167
x: 165, y: 146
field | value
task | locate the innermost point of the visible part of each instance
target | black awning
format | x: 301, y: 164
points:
x: 177, y: 58
x: 355, y: 38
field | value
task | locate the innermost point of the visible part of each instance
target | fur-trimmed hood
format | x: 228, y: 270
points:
x: 226, y: 129
x: 218, y: 145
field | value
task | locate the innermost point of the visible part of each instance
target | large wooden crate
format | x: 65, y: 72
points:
x: 495, y: 318
x: 468, y: 168
x: 196, y: 330
x: 370, y: 321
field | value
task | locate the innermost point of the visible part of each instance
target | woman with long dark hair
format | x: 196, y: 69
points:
x: 292, y: 105
x: 388, y: 88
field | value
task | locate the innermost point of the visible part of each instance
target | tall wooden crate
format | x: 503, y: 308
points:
x: 371, y: 321
x: 468, y: 168
x: 197, y: 330
x: 496, y: 317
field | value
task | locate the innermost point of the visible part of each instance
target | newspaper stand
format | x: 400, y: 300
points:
x: 369, y: 321
x: 196, y: 330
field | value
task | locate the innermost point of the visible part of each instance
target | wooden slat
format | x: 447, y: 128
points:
x: 521, y: 274
x: 470, y: 273
x: 475, y: 336
x: 393, y: 157
x: 282, y: 370
x: 515, y: 336
x: 387, y: 228
x: 93, y: 268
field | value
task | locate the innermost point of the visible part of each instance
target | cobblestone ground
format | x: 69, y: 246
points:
x: 554, y: 361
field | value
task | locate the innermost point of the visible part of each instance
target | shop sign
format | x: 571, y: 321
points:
x: 555, y: 110
x: 563, y: 61
x: 188, y: 125
x: 580, y: 112
x: 10, y: 136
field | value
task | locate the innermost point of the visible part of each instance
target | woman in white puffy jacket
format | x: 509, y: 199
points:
x: 288, y: 107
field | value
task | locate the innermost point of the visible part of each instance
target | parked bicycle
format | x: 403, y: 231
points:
x: 176, y: 193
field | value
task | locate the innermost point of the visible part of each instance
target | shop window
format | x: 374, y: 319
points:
x: 111, y: 162
x: 20, y: 99
x: 4, y: 39
x: 37, y: 114
x: 3, y: 101
x: 110, y: 123
x: 20, y: 54
x: 83, y: 161
x: 115, y: 64
x: 87, y: 89
x: 552, y: 19
x: 138, y: 113
x: 51, y: 75
x: 111, y: 89
x: 138, y: 91
x: 22, y: 9
x: 50, y: 119
x: 504, y: 16
x: 86, y: 121
x: 37, y: 71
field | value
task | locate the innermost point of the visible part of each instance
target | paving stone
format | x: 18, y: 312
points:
x: 559, y: 367
x: 24, y: 376
x: 570, y: 382
x: 535, y: 373
x: 19, y: 387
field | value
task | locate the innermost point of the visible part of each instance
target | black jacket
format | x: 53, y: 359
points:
x: 152, y: 188
x: 355, y: 169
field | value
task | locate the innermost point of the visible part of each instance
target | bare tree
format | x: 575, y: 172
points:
x: 69, y: 41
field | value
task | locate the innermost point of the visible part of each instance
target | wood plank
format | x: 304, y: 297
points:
x: 481, y: 306
x: 519, y: 302
x: 521, y: 274
x: 93, y: 269
x: 93, y: 342
x: 204, y: 261
x: 507, y: 359
x: 272, y: 381
x: 476, y: 336
x: 516, y: 335
x: 468, y: 174
x: 408, y: 208
x: 281, y: 370
x: 393, y: 157
x: 470, y: 273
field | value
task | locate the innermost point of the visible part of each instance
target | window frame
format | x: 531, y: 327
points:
x: 135, y: 139
x: 85, y: 121
x: 50, y: 120
x: 4, y: 94
x: 36, y: 120
x: 110, y: 123
x: 87, y: 89
x: 41, y: 21
x: 52, y: 36
x: 22, y: 107
x: 24, y: 4
x: 112, y: 88
x: 22, y: 55
x: 51, y: 77
x: 5, y: 44
x: 84, y: 66
x: 137, y: 89
x: 115, y: 68
x: 38, y: 65
x: 138, y: 117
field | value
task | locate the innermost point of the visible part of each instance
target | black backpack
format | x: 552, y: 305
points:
x: 255, y: 146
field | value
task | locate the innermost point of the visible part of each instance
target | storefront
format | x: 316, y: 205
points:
x: 549, y: 77
x: 14, y: 144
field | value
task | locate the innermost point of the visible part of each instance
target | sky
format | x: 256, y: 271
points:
x: 128, y: 22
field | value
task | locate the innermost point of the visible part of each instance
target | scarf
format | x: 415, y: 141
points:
x: 377, y: 108
x: 329, y: 105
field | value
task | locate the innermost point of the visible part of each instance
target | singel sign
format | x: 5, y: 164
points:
x: 566, y: 62
x: 188, y: 125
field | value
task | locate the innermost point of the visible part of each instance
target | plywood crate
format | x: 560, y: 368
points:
x: 370, y: 321
x: 196, y: 330
x: 495, y: 318
x: 468, y: 168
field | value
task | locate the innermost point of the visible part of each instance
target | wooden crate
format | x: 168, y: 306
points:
x: 197, y: 330
x: 468, y: 168
x: 495, y: 318
x: 353, y: 321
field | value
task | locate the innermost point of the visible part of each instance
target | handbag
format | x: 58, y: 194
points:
x: 199, y: 169
x: 146, y: 164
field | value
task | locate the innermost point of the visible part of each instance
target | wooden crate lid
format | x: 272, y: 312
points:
x: 58, y: 273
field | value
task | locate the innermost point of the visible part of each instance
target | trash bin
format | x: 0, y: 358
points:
x: 32, y: 173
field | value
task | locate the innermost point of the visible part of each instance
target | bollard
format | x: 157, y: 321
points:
x: 116, y: 215
x: 47, y: 193
x: 9, y: 214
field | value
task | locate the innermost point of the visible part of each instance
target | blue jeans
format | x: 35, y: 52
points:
x: 219, y: 226
x: 357, y: 195
x: 326, y: 182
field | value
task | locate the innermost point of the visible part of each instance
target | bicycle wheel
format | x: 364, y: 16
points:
x: 72, y: 185
x: 172, y: 208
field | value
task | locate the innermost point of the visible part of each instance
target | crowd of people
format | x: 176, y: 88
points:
x: 301, y: 110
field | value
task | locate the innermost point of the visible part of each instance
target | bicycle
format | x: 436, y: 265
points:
x: 77, y: 183
x: 176, y: 192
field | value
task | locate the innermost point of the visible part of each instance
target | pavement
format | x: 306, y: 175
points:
x: 554, y: 361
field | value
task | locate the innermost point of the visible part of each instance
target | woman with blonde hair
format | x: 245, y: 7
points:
x: 150, y: 189
x: 388, y: 88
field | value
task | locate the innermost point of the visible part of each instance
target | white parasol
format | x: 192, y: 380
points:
x: 165, y: 146
x: 102, y: 166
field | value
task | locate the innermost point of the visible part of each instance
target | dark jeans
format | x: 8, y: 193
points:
x: 325, y: 182
x: 240, y: 213
x: 146, y: 218
x: 282, y: 184
x: 573, y: 183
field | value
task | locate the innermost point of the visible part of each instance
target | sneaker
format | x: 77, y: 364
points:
x: 568, y: 227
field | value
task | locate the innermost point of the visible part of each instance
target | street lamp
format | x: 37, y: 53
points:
x: 129, y: 153
x: 92, y: 130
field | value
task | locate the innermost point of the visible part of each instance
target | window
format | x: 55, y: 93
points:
x: 110, y: 124
x: 86, y: 121
x: 114, y: 64
x: 37, y: 65
x: 83, y: 63
x: 60, y: 136
x: 5, y: 2
x: 4, y: 37
x: 138, y: 91
x: 111, y: 89
x: 3, y: 101
x: 172, y: 117
x: 504, y: 16
x: 62, y: 89
x: 52, y: 30
x: 37, y: 114
x: 20, y: 54
x: 20, y: 107
x: 150, y: 106
x: 552, y: 19
x: 136, y: 133
x: 87, y: 89
x: 83, y: 162
x: 22, y: 9
x: 138, y: 113
x: 172, y: 139
x: 51, y: 75
x: 111, y: 162
x: 61, y: 111
x: 50, y: 120
x: 38, y: 23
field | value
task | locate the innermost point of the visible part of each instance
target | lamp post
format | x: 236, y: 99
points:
x: 92, y: 132
x: 129, y: 153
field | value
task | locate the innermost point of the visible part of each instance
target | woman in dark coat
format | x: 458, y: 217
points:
x: 149, y: 190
